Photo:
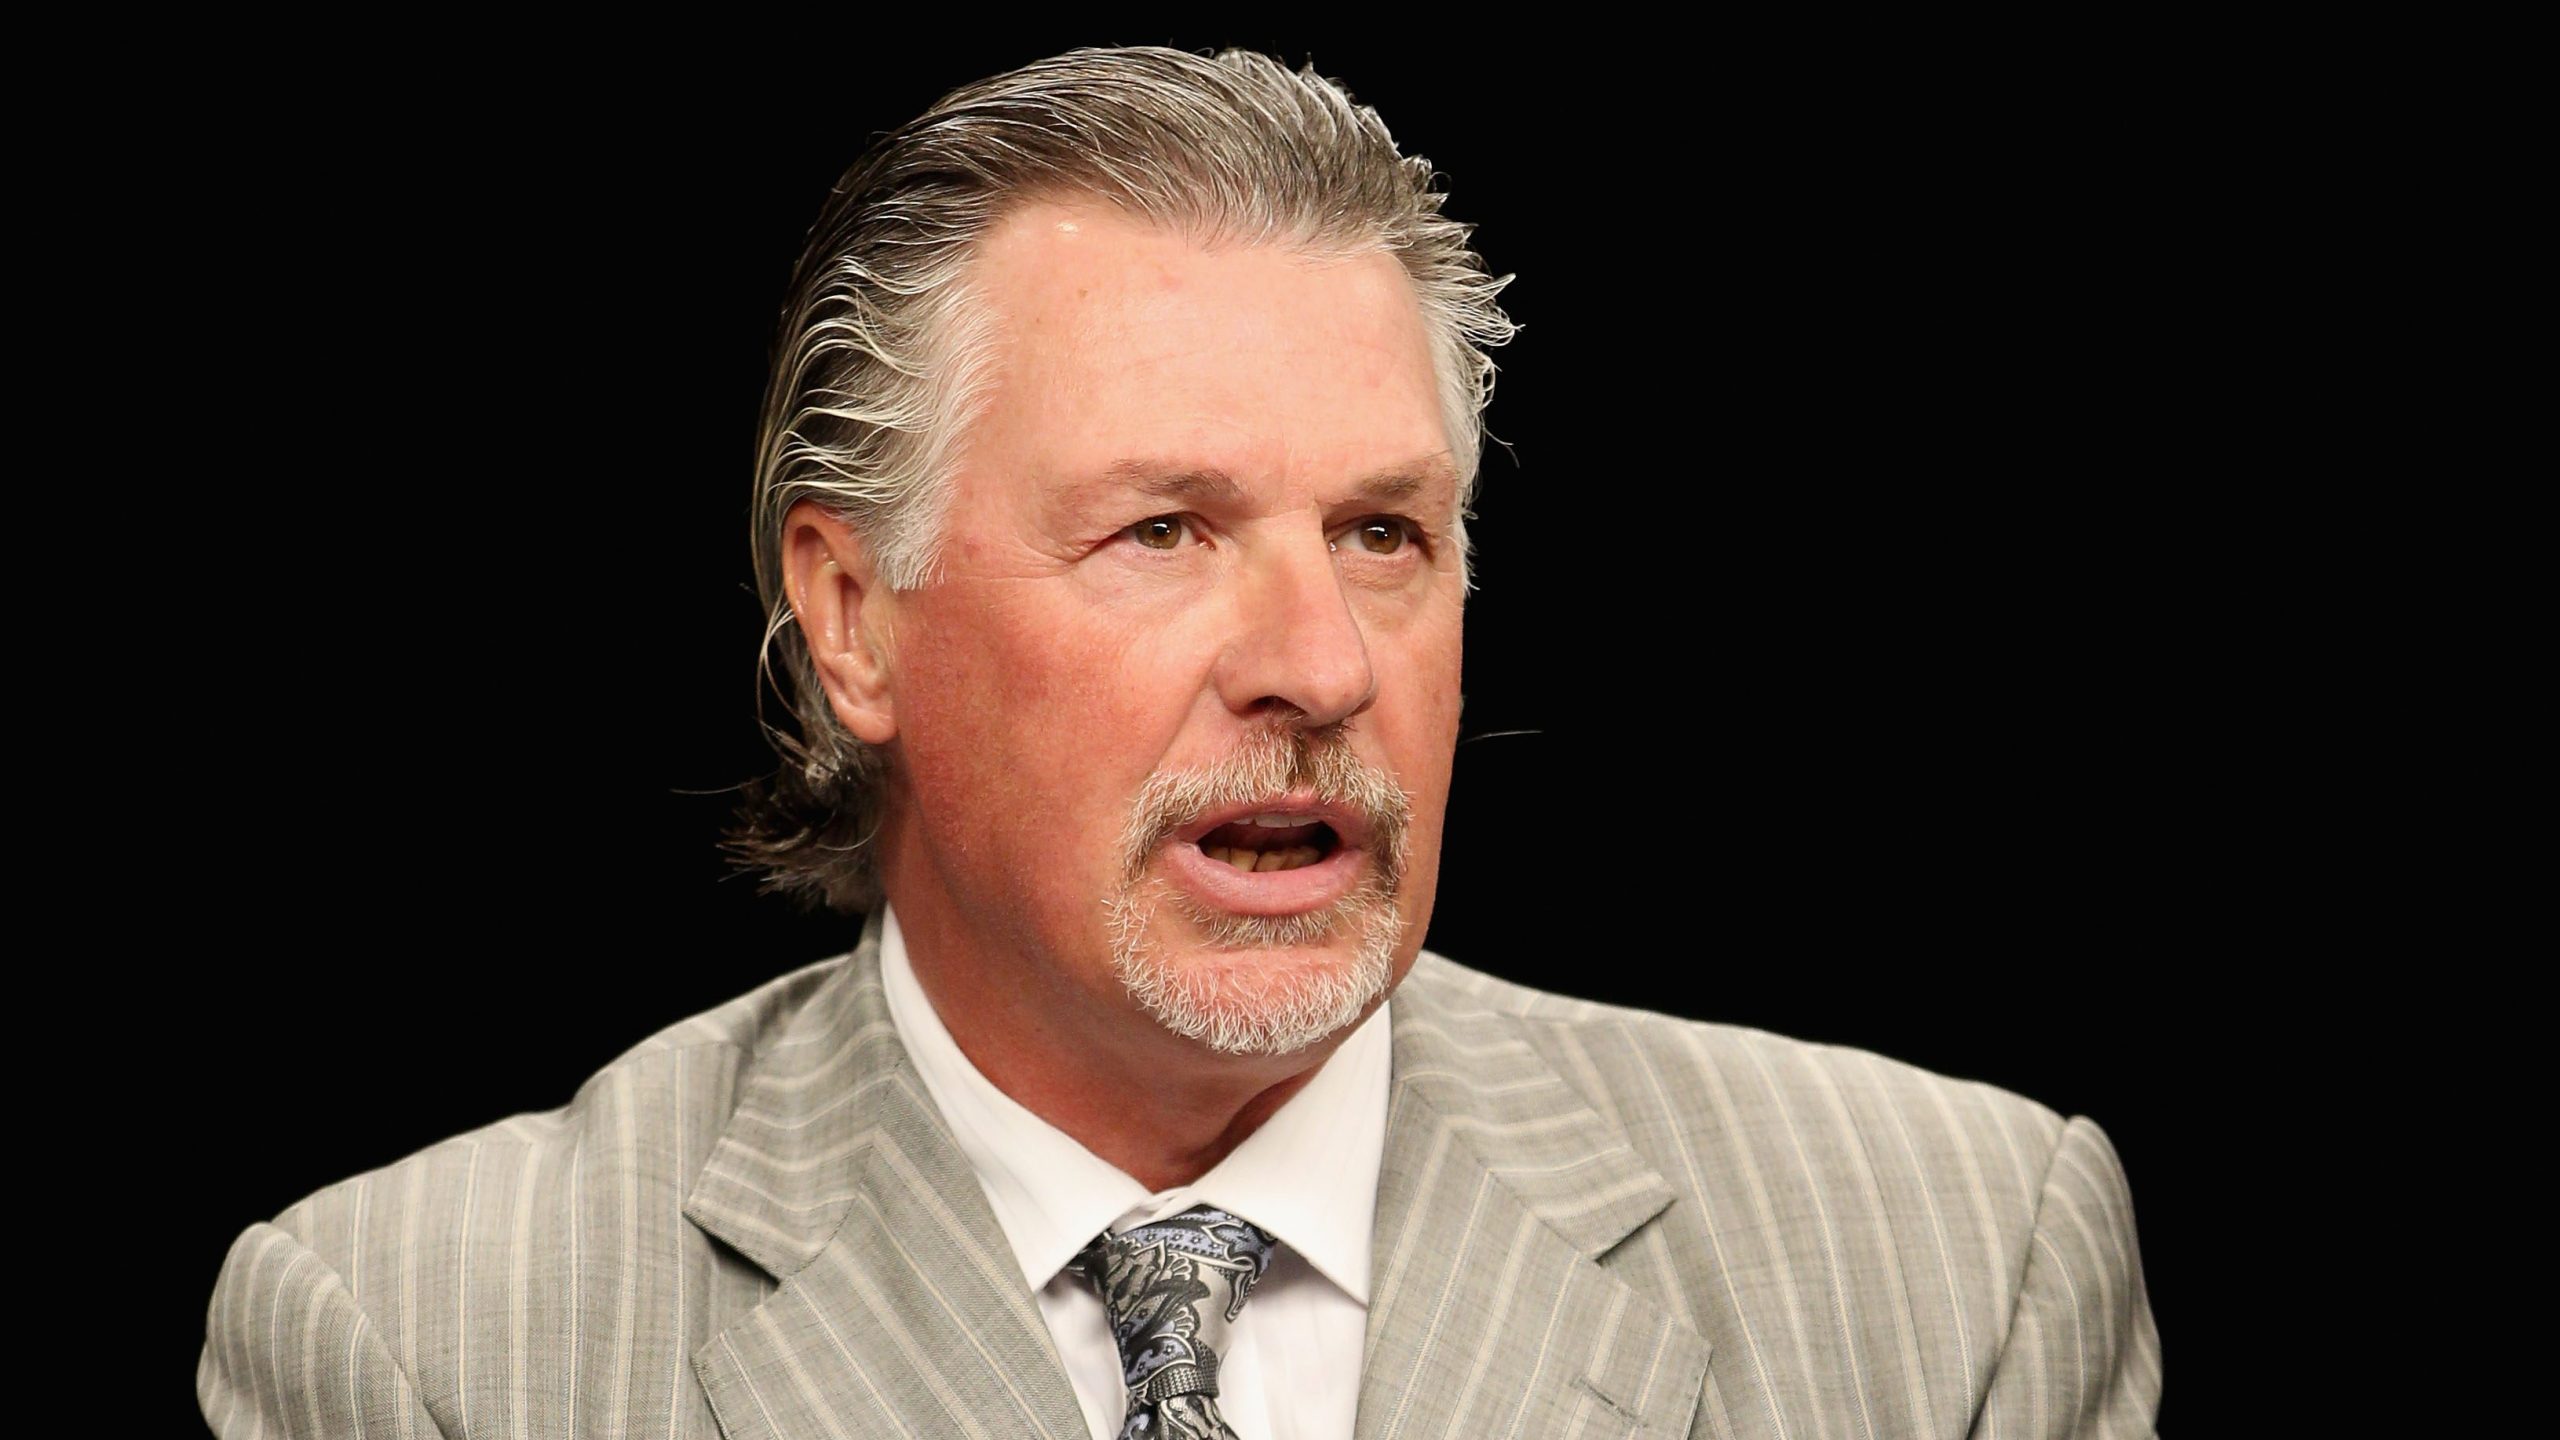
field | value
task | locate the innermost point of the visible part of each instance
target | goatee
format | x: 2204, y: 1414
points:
x: 1226, y: 1000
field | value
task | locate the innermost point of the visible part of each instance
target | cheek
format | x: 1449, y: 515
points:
x: 1006, y: 706
x: 978, y: 714
x: 1421, y: 735
x: 1429, y: 660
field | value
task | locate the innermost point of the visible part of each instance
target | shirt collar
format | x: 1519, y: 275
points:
x: 1309, y: 1174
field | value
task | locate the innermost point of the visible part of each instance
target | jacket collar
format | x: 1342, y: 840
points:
x: 1501, y: 1191
x: 901, y: 1311
x: 781, y: 1176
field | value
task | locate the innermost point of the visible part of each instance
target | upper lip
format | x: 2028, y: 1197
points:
x: 1349, y: 825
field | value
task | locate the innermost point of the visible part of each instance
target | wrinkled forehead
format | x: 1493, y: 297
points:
x: 1119, y: 353
x: 1425, y: 483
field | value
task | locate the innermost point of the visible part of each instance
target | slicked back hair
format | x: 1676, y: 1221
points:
x: 881, y: 360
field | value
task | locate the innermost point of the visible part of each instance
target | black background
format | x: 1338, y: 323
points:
x: 1834, y: 558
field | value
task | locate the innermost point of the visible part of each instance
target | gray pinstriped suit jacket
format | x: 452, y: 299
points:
x: 1591, y: 1222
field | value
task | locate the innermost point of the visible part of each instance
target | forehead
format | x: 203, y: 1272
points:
x: 1112, y: 338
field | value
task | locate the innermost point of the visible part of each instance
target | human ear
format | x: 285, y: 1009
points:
x: 843, y: 615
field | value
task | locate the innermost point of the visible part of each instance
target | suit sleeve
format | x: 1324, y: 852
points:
x: 2082, y: 1357
x: 289, y: 1352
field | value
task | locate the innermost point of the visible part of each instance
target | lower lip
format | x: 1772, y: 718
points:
x: 1263, y: 892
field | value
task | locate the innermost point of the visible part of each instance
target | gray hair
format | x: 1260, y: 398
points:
x: 881, y: 361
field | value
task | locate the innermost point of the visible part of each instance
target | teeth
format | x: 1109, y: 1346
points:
x: 1277, y: 821
x: 1257, y: 861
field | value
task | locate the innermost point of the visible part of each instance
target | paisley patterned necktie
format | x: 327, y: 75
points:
x: 1173, y: 1287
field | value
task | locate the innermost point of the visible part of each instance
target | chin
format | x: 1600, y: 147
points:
x: 1256, y: 984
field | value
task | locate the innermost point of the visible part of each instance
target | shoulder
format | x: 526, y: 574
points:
x: 541, y: 1231
x: 531, y: 1238
x: 1929, y: 1215
x: 649, y: 1113
x: 1621, y: 1058
x: 521, y: 1224
x: 1761, y: 1124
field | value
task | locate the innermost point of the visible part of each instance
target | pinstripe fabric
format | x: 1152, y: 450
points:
x: 534, y: 1277
x: 1591, y: 1222
x: 1846, y: 1245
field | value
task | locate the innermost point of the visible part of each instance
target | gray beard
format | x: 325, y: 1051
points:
x: 1237, y: 1009
x: 1223, y: 1000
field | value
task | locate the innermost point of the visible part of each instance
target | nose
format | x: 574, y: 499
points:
x: 1297, y: 645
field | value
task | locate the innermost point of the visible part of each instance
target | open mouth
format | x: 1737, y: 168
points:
x: 1263, y: 843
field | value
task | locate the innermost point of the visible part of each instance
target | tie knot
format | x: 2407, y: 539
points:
x: 1173, y: 1286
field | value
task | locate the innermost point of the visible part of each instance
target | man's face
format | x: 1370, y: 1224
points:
x: 1199, y: 572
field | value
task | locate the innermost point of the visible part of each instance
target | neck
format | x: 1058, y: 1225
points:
x: 1077, y: 1061
x: 1179, y: 1134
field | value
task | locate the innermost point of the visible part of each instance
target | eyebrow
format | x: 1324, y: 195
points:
x: 1206, y: 484
x: 1196, y: 484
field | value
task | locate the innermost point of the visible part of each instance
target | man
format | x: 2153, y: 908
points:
x: 1110, y: 511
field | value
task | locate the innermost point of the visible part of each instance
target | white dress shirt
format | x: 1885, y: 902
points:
x: 1291, y: 1368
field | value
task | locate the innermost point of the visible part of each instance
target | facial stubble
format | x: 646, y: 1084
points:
x: 1225, y: 1000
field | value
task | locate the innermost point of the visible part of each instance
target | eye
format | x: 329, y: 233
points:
x: 1382, y: 534
x: 1159, y: 532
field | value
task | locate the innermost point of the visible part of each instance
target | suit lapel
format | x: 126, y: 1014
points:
x: 901, y: 1310
x: 1489, y: 1314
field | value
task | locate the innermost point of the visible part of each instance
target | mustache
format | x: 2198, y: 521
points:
x: 1273, y: 762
